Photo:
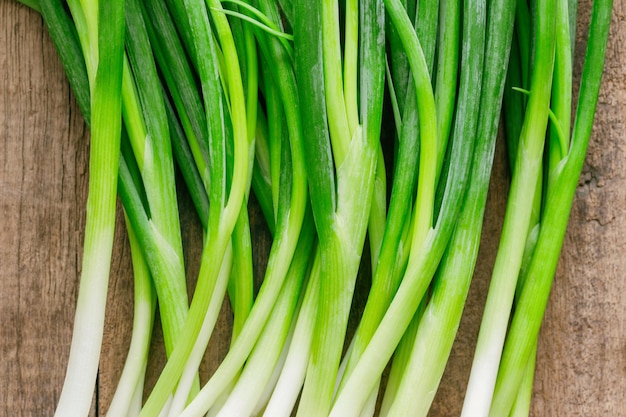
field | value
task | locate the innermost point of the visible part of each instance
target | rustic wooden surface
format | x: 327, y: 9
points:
x: 581, y: 366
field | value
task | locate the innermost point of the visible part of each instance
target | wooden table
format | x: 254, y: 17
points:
x: 581, y: 368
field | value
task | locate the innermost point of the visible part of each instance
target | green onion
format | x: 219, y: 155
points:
x: 517, y: 219
x: 133, y: 373
x: 340, y: 192
x: 437, y: 326
x: 444, y: 80
x: 291, y: 205
x: 293, y: 372
x: 146, y: 121
x: 260, y: 364
x: 178, y: 76
x: 563, y: 179
x: 105, y: 44
x: 288, y: 98
x: 395, y: 320
x: 224, y: 204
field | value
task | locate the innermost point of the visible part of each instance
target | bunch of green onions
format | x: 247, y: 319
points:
x: 357, y: 125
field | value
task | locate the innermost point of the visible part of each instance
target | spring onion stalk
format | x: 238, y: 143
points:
x: 398, y: 73
x: 261, y: 182
x: 189, y: 171
x: 289, y: 383
x: 185, y: 385
x: 240, y: 282
x: 350, y: 92
x: 350, y: 96
x: 437, y: 327
x: 265, y: 356
x: 426, y: 26
x: 340, y: 221
x: 514, y: 105
x: 393, y: 251
x: 400, y: 361
x: 178, y: 76
x: 292, y: 201
x: 517, y: 218
x: 131, y: 380
x: 562, y: 183
x: 513, y: 109
x: 522, y: 402
x: 426, y: 191
x: 388, y: 334
x: 146, y: 121
x: 143, y: 316
x: 224, y: 204
x: 444, y: 78
x: 558, y: 144
x: 105, y: 86
x: 135, y: 121
x: 65, y: 39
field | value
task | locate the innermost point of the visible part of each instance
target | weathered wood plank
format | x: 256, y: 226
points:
x: 582, y: 354
x: 43, y: 181
x: 43, y: 155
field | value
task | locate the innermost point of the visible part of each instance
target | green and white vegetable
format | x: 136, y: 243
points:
x: 317, y: 108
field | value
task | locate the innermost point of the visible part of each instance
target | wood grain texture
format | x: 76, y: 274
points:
x: 581, y: 366
x: 42, y: 191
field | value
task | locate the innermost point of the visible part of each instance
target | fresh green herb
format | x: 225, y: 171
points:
x: 103, y: 39
x: 288, y: 98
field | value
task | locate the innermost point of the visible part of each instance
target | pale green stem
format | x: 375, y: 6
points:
x: 335, y: 101
x: 143, y: 315
x: 350, y: 64
x: 516, y: 222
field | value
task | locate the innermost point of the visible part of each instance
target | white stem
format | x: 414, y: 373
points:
x: 193, y: 363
